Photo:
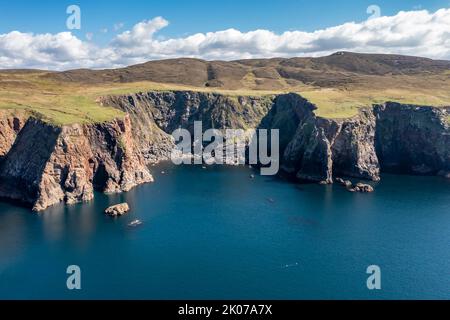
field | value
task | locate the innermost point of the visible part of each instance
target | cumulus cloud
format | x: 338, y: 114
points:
x: 418, y: 33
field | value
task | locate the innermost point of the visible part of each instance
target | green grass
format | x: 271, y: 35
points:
x: 59, y: 104
x: 334, y: 103
x: 68, y: 103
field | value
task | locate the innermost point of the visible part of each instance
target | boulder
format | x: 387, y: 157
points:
x: 117, y: 210
x: 348, y: 184
x: 361, y: 187
x: 345, y: 183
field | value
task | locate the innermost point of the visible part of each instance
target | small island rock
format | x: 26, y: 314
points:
x: 117, y: 210
x: 363, y: 188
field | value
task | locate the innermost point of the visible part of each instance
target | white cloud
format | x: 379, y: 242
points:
x: 418, y: 33
x: 142, y: 33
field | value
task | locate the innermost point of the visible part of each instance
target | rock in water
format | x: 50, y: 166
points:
x: 363, y: 188
x: 347, y: 184
x: 117, y: 210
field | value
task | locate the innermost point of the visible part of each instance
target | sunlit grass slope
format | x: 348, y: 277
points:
x: 64, y: 103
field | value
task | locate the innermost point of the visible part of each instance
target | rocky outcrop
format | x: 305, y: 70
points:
x: 312, y: 148
x: 390, y: 137
x: 320, y: 148
x: 286, y: 113
x: 50, y: 164
x: 354, y: 153
x: 152, y: 141
x: 11, y: 122
x: 359, y: 187
x: 117, y: 210
x: 413, y: 139
x: 155, y: 115
x: 362, y: 188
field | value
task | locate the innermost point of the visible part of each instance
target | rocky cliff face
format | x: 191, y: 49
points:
x: 49, y: 164
x: 318, y: 148
x: 11, y: 122
x: 401, y: 137
x: 413, y: 139
x: 390, y: 137
x: 152, y: 141
x: 42, y: 165
x: 155, y: 115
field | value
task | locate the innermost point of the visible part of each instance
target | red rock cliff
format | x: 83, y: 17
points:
x: 48, y: 164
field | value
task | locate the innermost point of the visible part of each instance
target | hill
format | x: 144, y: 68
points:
x: 335, y: 70
x: 338, y: 84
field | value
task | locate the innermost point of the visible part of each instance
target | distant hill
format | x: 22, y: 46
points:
x: 336, y: 70
x: 339, y: 84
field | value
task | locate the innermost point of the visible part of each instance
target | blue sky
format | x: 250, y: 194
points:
x: 33, y: 34
x: 188, y: 17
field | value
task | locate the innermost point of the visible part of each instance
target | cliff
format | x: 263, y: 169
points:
x: 155, y: 115
x: 388, y: 137
x: 413, y: 139
x: 49, y: 164
x: 383, y: 137
x: 11, y: 122
x: 42, y: 164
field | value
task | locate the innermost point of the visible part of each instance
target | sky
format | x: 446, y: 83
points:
x: 34, y: 34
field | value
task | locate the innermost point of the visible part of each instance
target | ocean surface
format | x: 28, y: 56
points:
x: 216, y: 233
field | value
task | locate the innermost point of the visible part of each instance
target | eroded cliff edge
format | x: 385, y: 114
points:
x: 387, y: 137
x: 155, y: 115
x: 43, y: 164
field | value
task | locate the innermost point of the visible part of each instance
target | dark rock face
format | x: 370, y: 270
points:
x: 413, y: 139
x: 405, y: 138
x: 400, y: 138
x: 317, y: 159
x: 285, y: 114
x: 24, y: 165
x: 11, y: 122
x: 152, y: 141
x: 49, y: 164
x: 354, y: 152
x: 322, y: 148
x: 155, y: 115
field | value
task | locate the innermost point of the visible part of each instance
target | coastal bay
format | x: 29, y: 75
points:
x: 213, y: 233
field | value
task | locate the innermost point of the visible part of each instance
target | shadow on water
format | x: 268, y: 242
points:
x: 227, y: 232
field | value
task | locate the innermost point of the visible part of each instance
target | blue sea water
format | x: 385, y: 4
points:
x: 216, y: 233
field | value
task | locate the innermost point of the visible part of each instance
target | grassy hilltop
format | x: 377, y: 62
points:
x: 338, y: 84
